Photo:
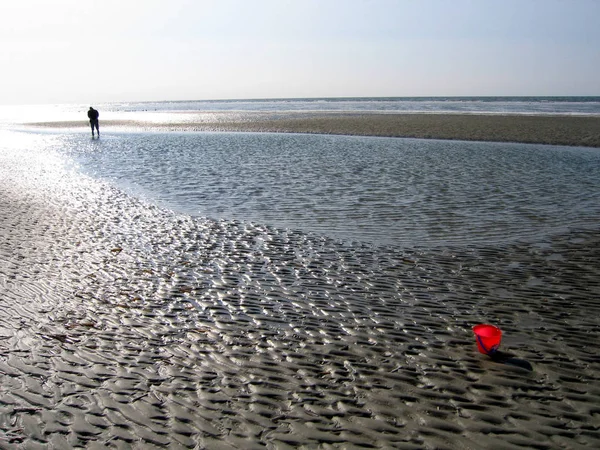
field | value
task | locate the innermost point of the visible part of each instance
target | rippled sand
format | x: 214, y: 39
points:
x: 556, y: 130
x: 126, y: 326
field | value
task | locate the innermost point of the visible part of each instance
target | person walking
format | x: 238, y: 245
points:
x: 93, y: 116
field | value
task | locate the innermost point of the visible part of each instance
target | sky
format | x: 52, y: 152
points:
x: 94, y: 51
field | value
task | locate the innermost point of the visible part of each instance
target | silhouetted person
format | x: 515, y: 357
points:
x: 93, y: 116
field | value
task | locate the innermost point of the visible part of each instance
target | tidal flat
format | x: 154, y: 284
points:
x: 126, y: 324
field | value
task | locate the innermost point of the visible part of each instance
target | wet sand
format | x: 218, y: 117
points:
x: 555, y: 130
x: 126, y: 326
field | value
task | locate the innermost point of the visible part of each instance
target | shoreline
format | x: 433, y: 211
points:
x: 583, y: 131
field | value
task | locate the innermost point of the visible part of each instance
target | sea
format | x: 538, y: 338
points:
x: 584, y: 105
x: 380, y: 191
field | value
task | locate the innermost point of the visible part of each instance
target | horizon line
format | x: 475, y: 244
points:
x: 342, y: 98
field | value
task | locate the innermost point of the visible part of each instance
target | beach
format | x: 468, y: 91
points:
x: 533, y: 129
x: 124, y: 325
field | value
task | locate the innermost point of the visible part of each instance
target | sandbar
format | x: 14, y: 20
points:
x: 534, y: 129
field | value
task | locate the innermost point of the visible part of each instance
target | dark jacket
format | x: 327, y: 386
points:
x: 93, y: 114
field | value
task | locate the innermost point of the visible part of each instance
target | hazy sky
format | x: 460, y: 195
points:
x: 91, y: 51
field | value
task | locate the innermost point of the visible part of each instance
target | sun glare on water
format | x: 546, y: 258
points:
x: 31, y: 159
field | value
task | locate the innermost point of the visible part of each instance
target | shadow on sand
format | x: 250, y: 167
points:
x: 510, y: 359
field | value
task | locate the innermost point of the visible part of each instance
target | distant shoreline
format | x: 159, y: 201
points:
x: 532, y: 129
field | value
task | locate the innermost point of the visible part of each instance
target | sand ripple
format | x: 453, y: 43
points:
x: 124, y: 325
